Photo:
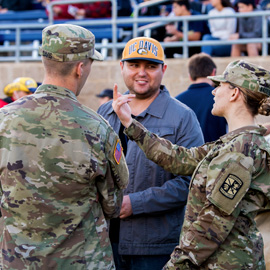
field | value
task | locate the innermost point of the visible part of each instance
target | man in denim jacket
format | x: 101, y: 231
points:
x: 154, y: 203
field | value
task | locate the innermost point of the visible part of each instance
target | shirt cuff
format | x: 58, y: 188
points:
x: 135, y: 130
x: 136, y: 203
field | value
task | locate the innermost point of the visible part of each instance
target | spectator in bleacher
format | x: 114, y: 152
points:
x: 150, y: 11
x: 81, y: 11
x: 67, y: 12
x: 157, y: 33
x: 97, y: 10
x: 124, y: 8
x: 249, y: 27
x: 15, y: 5
x: 175, y: 30
x: 221, y: 28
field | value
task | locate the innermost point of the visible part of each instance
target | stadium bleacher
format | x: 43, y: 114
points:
x: 20, y: 32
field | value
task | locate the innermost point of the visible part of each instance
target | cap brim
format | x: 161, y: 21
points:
x: 144, y: 58
x: 217, y: 79
x: 97, y: 56
x: 32, y: 89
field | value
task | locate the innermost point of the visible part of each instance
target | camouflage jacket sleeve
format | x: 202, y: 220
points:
x: 173, y: 158
x: 116, y: 178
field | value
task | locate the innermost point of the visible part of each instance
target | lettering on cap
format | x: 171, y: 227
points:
x: 145, y: 46
x: 47, y: 54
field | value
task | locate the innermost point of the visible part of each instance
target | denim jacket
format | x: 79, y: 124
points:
x: 158, y: 198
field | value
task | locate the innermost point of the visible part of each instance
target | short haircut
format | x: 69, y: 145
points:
x: 61, y: 68
x: 182, y: 3
x: 200, y: 65
x: 226, y: 3
x: 247, y: 2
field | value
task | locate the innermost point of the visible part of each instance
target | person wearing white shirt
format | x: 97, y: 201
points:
x: 221, y: 28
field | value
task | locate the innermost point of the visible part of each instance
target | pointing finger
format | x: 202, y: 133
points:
x: 115, y: 92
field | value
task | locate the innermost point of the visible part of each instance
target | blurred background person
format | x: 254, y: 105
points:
x: 104, y: 96
x: 20, y: 87
x: 199, y: 96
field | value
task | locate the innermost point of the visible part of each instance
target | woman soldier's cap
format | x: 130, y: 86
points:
x: 246, y: 75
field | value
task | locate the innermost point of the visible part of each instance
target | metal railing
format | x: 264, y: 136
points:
x: 136, y: 30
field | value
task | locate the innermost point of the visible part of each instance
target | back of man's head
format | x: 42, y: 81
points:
x: 200, y: 66
x: 182, y: 3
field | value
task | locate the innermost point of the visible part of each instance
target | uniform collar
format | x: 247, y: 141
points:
x: 60, y: 91
x: 259, y: 130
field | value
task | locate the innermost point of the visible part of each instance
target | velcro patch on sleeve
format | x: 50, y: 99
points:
x: 118, y: 151
x: 230, y: 188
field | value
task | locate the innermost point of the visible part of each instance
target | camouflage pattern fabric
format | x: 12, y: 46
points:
x: 62, y: 173
x: 230, y: 184
x: 244, y: 74
x: 67, y: 42
x: 263, y: 221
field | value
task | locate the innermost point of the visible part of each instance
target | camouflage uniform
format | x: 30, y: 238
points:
x: 59, y: 178
x: 62, y: 172
x: 230, y: 184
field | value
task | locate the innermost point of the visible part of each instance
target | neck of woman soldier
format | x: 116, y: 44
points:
x: 239, y: 117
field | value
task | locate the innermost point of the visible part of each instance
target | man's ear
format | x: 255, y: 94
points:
x: 213, y: 73
x: 79, y: 69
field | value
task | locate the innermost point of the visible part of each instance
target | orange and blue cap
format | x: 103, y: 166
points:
x: 143, y: 48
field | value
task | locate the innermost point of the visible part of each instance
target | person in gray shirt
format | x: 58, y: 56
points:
x: 249, y: 27
x: 154, y: 202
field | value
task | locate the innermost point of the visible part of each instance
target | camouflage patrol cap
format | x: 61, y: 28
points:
x: 67, y: 42
x: 15, y: 86
x: 246, y: 75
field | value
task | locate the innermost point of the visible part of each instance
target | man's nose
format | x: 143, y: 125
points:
x: 142, y: 70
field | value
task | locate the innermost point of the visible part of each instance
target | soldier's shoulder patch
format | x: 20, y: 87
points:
x: 231, y: 186
x: 118, y: 151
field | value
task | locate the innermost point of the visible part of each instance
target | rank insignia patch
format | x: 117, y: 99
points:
x: 231, y: 186
x: 117, y: 152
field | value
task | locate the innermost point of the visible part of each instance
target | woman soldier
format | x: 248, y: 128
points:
x: 230, y: 177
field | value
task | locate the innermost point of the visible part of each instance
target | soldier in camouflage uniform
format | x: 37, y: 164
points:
x: 230, y: 177
x: 62, y: 168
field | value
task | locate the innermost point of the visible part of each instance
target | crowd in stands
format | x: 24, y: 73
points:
x: 213, y: 29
